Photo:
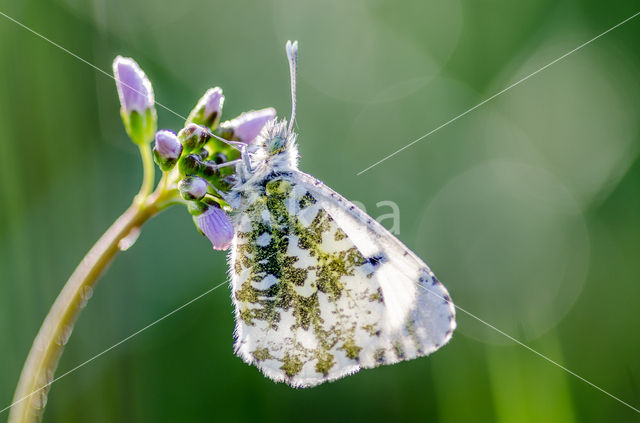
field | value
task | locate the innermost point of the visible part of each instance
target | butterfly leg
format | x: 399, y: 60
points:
x: 245, y: 158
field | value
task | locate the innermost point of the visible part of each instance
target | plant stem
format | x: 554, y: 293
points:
x: 148, y: 172
x: 37, y: 374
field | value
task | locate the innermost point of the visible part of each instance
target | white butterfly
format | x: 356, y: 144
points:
x: 321, y: 289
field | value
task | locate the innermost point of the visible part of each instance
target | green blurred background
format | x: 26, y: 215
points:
x: 527, y: 208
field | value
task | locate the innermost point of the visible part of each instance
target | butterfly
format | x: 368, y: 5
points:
x: 320, y: 289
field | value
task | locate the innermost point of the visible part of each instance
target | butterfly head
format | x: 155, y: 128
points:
x: 275, y: 148
x: 276, y: 138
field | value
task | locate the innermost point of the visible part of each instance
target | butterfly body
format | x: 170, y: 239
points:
x: 321, y: 289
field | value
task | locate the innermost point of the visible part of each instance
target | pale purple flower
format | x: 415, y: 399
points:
x: 209, y: 108
x: 213, y: 100
x: 193, y: 188
x: 168, y: 145
x: 216, y: 225
x: 248, y: 125
x: 134, y: 88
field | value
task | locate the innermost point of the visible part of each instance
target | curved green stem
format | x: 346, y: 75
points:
x: 37, y: 374
x: 148, y: 172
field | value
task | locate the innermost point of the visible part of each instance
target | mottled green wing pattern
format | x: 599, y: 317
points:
x: 310, y: 302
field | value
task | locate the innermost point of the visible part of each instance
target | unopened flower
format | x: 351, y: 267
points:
x: 134, y: 88
x: 190, y: 164
x: 208, y: 110
x: 209, y: 170
x: 136, y: 99
x: 216, y: 225
x: 220, y: 158
x: 167, y: 150
x: 248, y: 125
x: 192, y: 188
x: 194, y: 137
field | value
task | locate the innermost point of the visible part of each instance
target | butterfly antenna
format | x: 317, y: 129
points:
x: 292, y: 55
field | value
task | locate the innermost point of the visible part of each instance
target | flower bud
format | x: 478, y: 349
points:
x: 220, y: 158
x: 216, y: 225
x: 194, y: 137
x: 167, y: 150
x: 190, y: 165
x: 204, y: 153
x: 209, y: 169
x: 192, y: 188
x: 248, y: 125
x: 136, y: 100
x: 224, y: 131
x: 209, y: 109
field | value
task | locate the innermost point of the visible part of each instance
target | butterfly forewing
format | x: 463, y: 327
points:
x: 322, y: 290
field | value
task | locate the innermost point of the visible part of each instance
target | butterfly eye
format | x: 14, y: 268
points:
x: 276, y: 145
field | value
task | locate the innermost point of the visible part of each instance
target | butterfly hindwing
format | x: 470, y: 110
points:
x: 322, y: 290
x: 419, y: 315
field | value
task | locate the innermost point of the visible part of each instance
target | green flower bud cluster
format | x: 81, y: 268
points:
x: 198, y: 162
x: 206, y: 158
x: 201, y: 157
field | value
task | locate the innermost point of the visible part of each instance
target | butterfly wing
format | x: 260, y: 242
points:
x: 322, y: 290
